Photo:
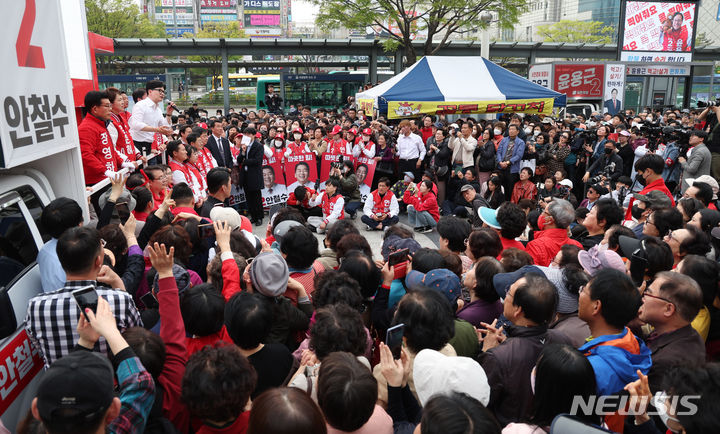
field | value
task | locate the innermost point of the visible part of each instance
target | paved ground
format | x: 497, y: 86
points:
x: 374, y: 237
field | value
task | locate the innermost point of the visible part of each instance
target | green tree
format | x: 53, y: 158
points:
x: 226, y: 29
x: 589, y: 32
x: 402, y: 20
x: 120, y: 19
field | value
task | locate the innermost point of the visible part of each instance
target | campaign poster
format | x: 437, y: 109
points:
x: 541, y: 74
x: 658, y: 31
x: 579, y: 80
x: 364, y: 172
x: 237, y: 193
x: 300, y: 169
x: 274, y: 191
x: 614, y: 88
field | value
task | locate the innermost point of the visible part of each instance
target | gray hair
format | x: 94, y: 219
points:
x: 562, y: 212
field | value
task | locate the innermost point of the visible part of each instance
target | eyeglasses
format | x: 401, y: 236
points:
x: 160, y: 89
x: 646, y: 293
x: 670, y: 237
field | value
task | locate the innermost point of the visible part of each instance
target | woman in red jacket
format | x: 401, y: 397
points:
x: 423, y: 211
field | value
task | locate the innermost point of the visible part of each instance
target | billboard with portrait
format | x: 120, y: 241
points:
x: 300, y: 169
x: 658, y: 31
x: 274, y: 191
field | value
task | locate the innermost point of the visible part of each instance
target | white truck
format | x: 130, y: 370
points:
x: 42, y: 48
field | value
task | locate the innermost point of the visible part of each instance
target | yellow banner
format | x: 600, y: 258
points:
x: 408, y: 109
x: 366, y: 105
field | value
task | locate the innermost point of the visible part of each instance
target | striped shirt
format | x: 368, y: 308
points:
x: 52, y: 318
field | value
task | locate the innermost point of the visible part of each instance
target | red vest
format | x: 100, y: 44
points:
x: 328, y: 203
x: 195, y: 176
x: 296, y: 149
x: 124, y: 142
x: 381, y: 206
x: 174, y: 165
x: 339, y: 147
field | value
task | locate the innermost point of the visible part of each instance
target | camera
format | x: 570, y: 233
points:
x: 337, y: 164
x: 589, y: 136
x: 607, y: 171
x: 708, y: 103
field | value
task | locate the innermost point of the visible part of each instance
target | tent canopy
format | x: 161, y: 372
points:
x: 475, y: 84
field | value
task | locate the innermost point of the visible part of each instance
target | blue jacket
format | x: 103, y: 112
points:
x: 517, y: 154
x: 615, y: 358
x: 671, y: 173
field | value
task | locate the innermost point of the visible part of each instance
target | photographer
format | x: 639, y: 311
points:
x: 712, y: 126
x: 610, y: 166
x: 349, y: 187
x: 595, y: 150
x: 698, y: 158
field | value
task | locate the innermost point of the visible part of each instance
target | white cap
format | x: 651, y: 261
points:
x: 566, y: 183
x: 435, y: 373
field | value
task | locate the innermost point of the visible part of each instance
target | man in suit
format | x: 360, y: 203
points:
x: 250, y: 162
x: 613, y: 105
x: 219, y: 146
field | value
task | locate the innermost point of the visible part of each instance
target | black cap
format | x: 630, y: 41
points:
x: 81, y: 381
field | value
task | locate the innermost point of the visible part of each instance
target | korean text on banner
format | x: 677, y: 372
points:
x: 300, y: 169
x: 579, y: 81
x: 405, y: 109
x: 366, y: 105
x: 274, y: 189
x: 37, y: 117
x: 614, y: 90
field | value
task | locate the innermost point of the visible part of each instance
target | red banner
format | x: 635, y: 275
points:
x: 19, y: 364
x: 274, y: 191
x: 365, y: 171
x: 300, y: 169
x: 580, y: 81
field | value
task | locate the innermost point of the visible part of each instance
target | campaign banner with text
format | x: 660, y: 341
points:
x: 579, y: 80
x: 541, y: 74
x: 408, y: 109
x: 364, y: 172
x: 652, y: 28
x: 614, y: 91
x: 274, y: 189
x: 300, y: 169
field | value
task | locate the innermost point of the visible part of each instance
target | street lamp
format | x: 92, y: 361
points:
x: 486, y: 18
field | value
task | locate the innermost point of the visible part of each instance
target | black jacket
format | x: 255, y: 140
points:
x: 599, y: 165
x: 273, y: 102
x: 508, y: 367
x: 484, y: 157
x: 251, y: 166
x: 226, y: 159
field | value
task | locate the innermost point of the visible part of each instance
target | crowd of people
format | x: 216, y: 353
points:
x: 532, y: 302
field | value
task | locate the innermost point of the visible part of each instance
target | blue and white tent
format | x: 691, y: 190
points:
x: 458, y: 84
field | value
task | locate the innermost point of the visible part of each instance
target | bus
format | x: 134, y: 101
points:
x: 381, y: 75
x: 261, y: 89
x: 316, y: 90
x: 241, y: 83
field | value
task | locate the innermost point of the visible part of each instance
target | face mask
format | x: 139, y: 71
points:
x: 407, y: 179
x: 497, y: 132
x: 649, y: 118
x: 297, y: 136
x: 536, y: 133
x: 528, y: 130
x: 608, y: 151
x: 636, y: 212
x: 640, y: 180
x: 278, y: 143
x: 366, y: 139
x: 541, y: 222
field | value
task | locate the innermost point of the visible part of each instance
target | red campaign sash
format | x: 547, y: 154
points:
x: 174, y: 165
x: 124, y: 142
x: 204, y: 164
x: 337, y: 147
x: 193, y: 170
x: 296, y: 149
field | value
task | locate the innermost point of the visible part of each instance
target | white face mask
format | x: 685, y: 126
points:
x: 497, y: 132
x: 649, y: 118
x: 528, y: 130
x: 278, y: 143
x: 366, y: 138
x: 536, y: 133
x: 297, y: 136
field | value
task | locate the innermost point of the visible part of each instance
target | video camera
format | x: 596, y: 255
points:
x: 588, y: 136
